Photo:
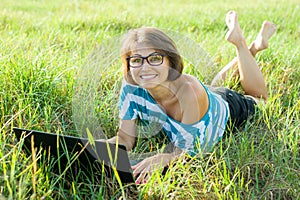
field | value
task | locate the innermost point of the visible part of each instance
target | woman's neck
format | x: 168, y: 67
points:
x: 164, y: 92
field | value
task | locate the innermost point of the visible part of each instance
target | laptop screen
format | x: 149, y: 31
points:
x: 76, y: 155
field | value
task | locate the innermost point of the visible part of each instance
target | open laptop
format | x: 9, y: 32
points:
x: 75, y: 155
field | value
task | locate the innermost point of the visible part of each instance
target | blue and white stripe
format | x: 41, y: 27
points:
x: 136, y: 102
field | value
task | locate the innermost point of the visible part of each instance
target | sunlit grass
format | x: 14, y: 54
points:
x: 45, y: 44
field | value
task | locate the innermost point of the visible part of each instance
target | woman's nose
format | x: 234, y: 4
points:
x: 146, y: 66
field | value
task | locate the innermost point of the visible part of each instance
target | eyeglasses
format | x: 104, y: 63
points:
x: 154, y: 59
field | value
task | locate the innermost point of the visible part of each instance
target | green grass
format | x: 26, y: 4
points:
x: 45, y: 56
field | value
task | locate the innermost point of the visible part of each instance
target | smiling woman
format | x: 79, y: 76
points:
x: 192, y: 115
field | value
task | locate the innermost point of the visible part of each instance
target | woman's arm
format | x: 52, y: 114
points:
x: 126, y: 134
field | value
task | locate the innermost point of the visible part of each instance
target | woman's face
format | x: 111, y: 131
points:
x: 148, y: 68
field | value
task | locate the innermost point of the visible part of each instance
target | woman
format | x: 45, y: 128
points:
x: 192, y: 115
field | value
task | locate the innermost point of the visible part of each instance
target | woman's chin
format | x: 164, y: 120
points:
x: 148, y: 85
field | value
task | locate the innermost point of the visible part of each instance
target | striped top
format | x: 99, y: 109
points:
x: 137, y: 103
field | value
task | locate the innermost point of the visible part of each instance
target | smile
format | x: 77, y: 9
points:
x: 147, y: 77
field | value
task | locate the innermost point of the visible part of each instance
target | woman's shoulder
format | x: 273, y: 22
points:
x: 193, y: 99
x: 191, y: 85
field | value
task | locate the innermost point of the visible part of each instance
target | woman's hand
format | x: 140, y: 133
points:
x: 143, y: 170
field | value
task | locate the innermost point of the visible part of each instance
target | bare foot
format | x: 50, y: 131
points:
x: 234, y: 34
x: 266, y: 31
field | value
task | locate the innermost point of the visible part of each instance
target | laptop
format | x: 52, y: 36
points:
x: 74, y: 155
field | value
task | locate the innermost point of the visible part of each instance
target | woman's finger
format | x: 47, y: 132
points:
x: 137, y: 169
x: 143, y: 177
x: 140, y: 178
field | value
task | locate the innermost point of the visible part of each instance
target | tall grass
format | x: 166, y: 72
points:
x: 45, y: 44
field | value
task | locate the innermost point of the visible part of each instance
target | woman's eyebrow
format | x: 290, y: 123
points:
x: 136, y: 54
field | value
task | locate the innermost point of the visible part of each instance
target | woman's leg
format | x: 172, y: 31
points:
x: 259, y: 44
x: 251, y: 78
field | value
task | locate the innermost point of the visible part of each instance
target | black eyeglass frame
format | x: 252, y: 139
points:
x: 146, y: 58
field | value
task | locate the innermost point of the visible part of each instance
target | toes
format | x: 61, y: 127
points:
x: 231, y: 20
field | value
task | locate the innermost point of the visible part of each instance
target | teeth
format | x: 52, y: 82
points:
x: 148, y: 76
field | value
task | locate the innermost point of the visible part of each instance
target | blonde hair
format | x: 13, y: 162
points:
x: 155, y: 39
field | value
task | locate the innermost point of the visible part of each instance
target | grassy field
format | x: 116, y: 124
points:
x: 48, y: 51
